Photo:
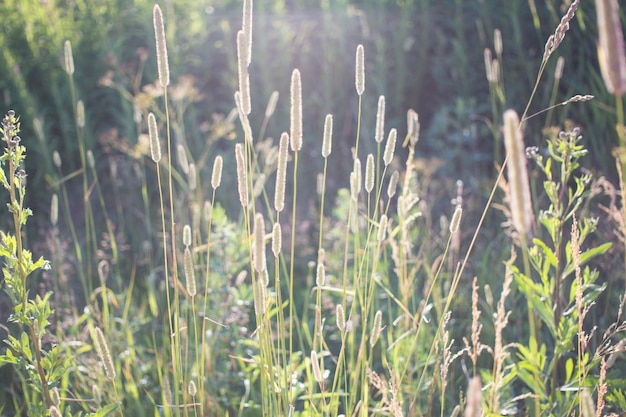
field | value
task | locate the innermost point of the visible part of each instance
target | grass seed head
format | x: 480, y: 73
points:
x: 242, y: 71
x: 369, y: 173
x: 155, y: 144
x: 69, y: 57
x: 281, y: 173
x: 242, y: 176
x: 190, y: 276
x: 104, y: 354
x: 390, y: 146
x: 379, y: 136
x: 360, y: 70
x: 161, y: 46
x: 259, y: 243
x: 216, y: 176
x: 611, y: 47
x: 296, y: 111
x: 327, y: 141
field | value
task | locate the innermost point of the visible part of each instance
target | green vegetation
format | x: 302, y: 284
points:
x: 222, y: 241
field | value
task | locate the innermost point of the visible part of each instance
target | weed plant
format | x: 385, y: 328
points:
x: 376, y: 314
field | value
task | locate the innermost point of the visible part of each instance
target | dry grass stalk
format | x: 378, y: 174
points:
x: 520, y: 200
x: 611, y: 46
x: 559, y: 34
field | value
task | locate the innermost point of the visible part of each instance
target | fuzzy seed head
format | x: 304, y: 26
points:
x: 187, y: 235
x: 320, y: 277
x: 474, y: 407
x: 558, y: 70
x: 161, y: 46
x: 192, y: 390
x: 69, y: 57
x: 281, y: 173
x: 104, y: 354
x: 520, y: 200
x: 376, y: 328
x: 56, y: 159
x: 242, y: 70
x: 192, y: 177
x: 271, y: 104
x: 54, y: 210
x: 55, y: 397
x: 259, y: 298
x: 183, y: 162
x: 340, y: 317
x: 97, y: 395
x: 54, y: 412
x: 277, y: 239
x: 327, y: 142
x: 216, y: 176
x: 382, y: 228
x: 242, y: 175
x: 393, y: 184
x: 315, y: 367
x: 80, y: 114
x: 360, y: 70
x: 296, y: 111
x: 380, y: 120
x: 91, y: 161
x: 456, y: 219
x: 390, y: 146
x: 190, y: 276
x: 207, y: 211
x: 247, y: 29
x: 497, y: 41
x: 413, y: 126
x: 611, y: 47
x: 259, y: 243
x: 155, y: 144
x: 488, y: 61
x: 369, y: 173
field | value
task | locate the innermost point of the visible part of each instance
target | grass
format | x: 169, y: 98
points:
x: 392, y: 306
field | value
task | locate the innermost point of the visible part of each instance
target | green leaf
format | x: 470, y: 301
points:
x: 105, y: 411
x: 550, y: 256
x: 588, y: 255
